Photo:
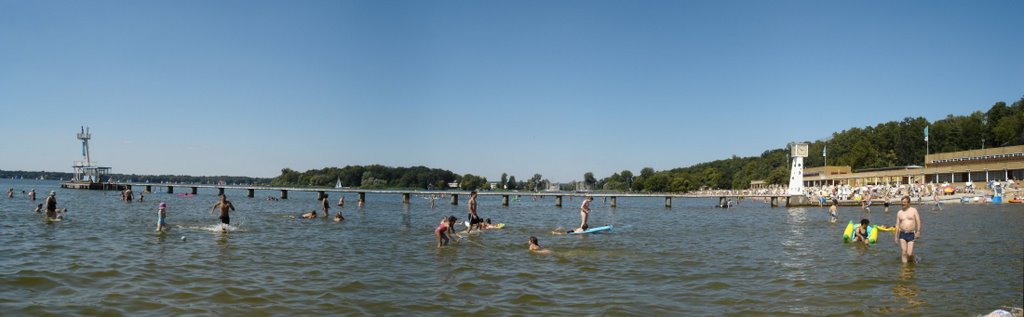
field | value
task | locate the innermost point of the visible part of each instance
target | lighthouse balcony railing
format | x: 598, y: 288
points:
x: 86, y: 164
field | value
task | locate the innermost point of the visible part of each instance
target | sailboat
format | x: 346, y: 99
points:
x: 338, y: 184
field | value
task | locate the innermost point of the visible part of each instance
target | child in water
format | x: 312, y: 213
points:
x: 861, y: 234
x: 535, y: 246
x: 161, y: 223
x: 441, y: 233
x: 833, y: 211
x: 39, y: 208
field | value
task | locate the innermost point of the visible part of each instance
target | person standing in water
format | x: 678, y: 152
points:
x: 474, y: 218
x: 585, y: 212
x: 161, y: 217
x: 908, y: 222
x: 326, y: 206
x: 51, y: 205
x: 833, y: 211
x: 225, y: 206
x: 32, y: 194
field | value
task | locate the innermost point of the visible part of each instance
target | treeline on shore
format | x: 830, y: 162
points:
x: 182, y: 179
x: 890, y: 144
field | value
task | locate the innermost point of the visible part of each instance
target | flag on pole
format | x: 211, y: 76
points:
x: 926, y: 134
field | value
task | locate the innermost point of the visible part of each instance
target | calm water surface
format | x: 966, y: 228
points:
x: 692, y: 259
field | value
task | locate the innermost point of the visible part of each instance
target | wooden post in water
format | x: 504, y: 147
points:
x: 775, y: 201
x: 455, y: 199
x: 558, y: 201
x: 170, y: 189
x: 220, y: 191
x: 319, y: 195
x: 284, y: 194
x: 614, y: 204
x: 405, y: 198
x: 195, y: 190
x: 668, y: 202
x: 362, y: 198
x: 504, y: 200
x: 149, y: 188
x: 250, y: 193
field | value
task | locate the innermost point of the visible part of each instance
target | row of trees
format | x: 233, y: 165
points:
x: 890, y: 144
x: 372, y: 176
x: 417, y: 177
x: 184, y: 179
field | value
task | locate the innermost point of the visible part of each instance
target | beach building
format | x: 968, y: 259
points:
x: 956, y: 168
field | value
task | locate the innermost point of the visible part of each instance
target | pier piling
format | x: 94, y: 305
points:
x: 455, y: 199
x: 405, y: 198
x: 668, y: 202
x: 362, y: 198
x: 250, y: 192
x: 558, y: 201
x: 614, y: 202
x: 504, y: 200
x: 195, y: 190
x: 284, y: 194
x: 170, y: 189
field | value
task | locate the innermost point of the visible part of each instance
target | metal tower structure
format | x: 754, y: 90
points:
x: 85, y: 136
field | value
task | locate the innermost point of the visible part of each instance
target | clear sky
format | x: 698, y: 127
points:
x: 559, y: 88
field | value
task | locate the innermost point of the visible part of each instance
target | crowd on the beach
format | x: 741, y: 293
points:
x: 918, y: 191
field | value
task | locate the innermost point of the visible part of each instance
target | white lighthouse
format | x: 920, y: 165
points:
x: 796, y: 173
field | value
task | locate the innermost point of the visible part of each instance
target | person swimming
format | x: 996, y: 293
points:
x: 577, y: 230
x: 536, y: 248
x: 309, y: 215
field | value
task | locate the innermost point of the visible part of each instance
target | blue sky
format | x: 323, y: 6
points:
x: 559, y: 88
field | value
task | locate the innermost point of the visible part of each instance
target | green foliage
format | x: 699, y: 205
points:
x: 371, y: 176
x: 472, y: 182
x: 890, y: 144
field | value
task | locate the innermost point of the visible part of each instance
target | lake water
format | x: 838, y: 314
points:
x: 692, y: 259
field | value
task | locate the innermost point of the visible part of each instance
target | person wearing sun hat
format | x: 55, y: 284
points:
x: 161, y: 223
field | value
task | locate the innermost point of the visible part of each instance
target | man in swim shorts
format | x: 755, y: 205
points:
x: 474, y: 218
x: 908, y: 222
x: 225, y: 206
